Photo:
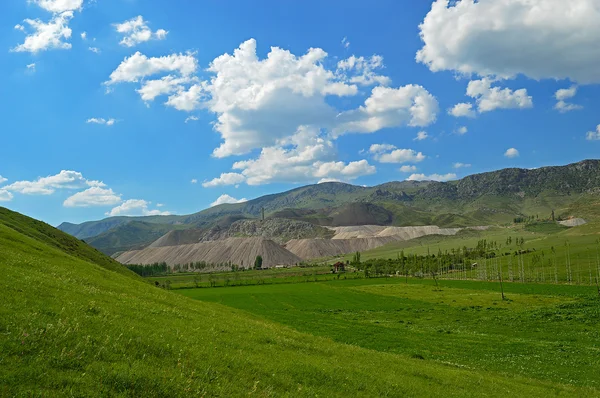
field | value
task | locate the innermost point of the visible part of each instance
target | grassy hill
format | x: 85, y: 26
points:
x: 73, y: 323
x: 488, y: 198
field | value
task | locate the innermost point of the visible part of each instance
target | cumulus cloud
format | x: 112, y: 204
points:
x: 361, y: 70
x: 386, y: 153
x: 94, y: 196
x: 3, y: 180
x: 66, y: 179
x: 464, y: 109
x: 95, y: 120
x: 593, y: 135
x: 46, y: 36
x: 136, y: 31
x: 421, y: 135
x: 194, y: 181
x: 135, y: 207
x: 490, y: 98
x: 432, y: 177
x: 5, y: 196
x: 487, y: 38
x: 564, y: 94
x: 227, y: 199
x: 511, y: 153
x: 305, y: 157
x: 83, y: 35
x: 459, y: 165
x: 95, y: 50
x: 139, y: 66
x: 191, y: 119
x: 410, y: 105
x: 59, y: 6
x: 225, y: 179
x: 408, y: 169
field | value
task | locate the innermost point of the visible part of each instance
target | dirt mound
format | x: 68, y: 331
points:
x: 402, y: 233
x: 360, y: 238
x: 178, y: 237
x: 573, y: 222
x: 240, y: 251
x: 318, y: 248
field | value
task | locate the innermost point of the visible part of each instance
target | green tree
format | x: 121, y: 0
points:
x: 258, y: 262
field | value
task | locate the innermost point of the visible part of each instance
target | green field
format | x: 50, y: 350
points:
x: 75, y: 323
x: 549, y: 333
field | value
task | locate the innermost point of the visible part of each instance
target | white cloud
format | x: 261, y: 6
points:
x: 361, y: 70
x: 464, y: 109
x: 345, y: 42
x: 3, y: 180
x: 307, y: 156
x: 459, y: 165
x: 20, y: 27
x: 83, y: 35
x: 135, y: 207
x: 491, y: 98
x: 511, y: 153
x: 421, y: 135
x: 564, y: 94
x: 564, y: 107
x: 487, y: 38
x: 225, y: 179
x: 31, y: 66
x: 386, y: 153
x: 432, y: 177
x: 258, y: 102
x: 192, y: 119
x: 107, y: 122
x: 94, y: 196
x: 136, y: 31
x: 139, y: 66
x: 408, y: 169
x: 462, y: 130
x: 66, y: 179
x: 95, y: 50
x: 194, y: 181
x: 593, y: 135
x: 5, y: 196
x: 47, y: 36
x: 227, y: 199
x: 166, y: 85
x: 410, y: 105
x: 160, y: 205
x: 59, y: 6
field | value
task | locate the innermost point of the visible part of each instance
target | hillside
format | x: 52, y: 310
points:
x: 73, y: 327
x: 480, y: 199
x: 59, y: 240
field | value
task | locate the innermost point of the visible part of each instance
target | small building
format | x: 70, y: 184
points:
x: 339, y: 267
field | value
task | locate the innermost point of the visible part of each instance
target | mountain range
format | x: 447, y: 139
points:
x: 496, y: 197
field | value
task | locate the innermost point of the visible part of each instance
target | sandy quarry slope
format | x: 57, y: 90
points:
x: 362, y: 237
x: 573, y: 222
x: 403, y: 233
x: 240, y: 251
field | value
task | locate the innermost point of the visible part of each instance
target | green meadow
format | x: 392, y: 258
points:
x: 75, y: 323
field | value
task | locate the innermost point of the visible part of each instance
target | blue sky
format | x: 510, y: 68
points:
x: 114, y: 107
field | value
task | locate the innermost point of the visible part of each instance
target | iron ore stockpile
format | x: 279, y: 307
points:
x: 239, y: 251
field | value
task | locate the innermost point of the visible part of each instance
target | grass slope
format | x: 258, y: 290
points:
x: 70, y: 327
x: 62, y: 241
